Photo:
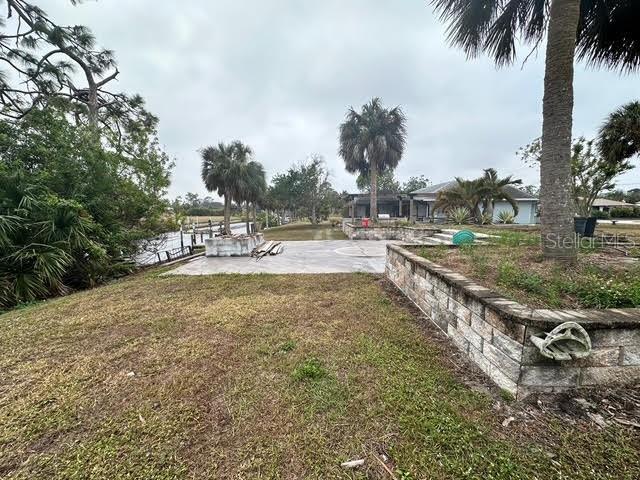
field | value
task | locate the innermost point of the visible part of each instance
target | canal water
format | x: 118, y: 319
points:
x: 171, y: 240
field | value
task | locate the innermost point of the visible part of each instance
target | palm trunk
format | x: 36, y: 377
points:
x: 227, y: 214
x: 254, y: 217
x: 489, y: 209
x: 373, y: 197
x: 246, y: 217
x: 556, y: 203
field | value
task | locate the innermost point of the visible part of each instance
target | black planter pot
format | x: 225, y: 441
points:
x: 585, y: 226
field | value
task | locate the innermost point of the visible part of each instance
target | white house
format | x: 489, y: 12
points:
x: 418, y: 205
x: 527, y: 203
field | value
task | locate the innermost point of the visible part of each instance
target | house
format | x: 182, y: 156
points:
x: 418, y: 205
x: 527, y: 203
x: 605, y: 205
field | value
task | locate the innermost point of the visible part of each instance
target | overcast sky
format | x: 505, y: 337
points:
x: 280, y: 74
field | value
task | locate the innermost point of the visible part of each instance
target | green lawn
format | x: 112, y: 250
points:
x: 305, y: 231
x: 261, y: 377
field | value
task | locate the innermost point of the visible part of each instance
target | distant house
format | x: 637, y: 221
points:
x: 418, y: 205
x: 605, y: 205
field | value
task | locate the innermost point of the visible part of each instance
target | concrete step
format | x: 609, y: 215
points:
x: 446, y: 237
x: 435, y: 240
x: 451, y: 231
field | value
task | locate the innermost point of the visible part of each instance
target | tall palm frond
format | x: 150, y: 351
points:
x: 607, y: 31
x: 601, y: 32
x: 8, y: 224
x: 493, y: 189
x: 619, y: 137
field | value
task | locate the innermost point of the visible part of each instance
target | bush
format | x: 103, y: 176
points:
x: 204, y: 212
x: 601, y: 215
x: 625, y: 212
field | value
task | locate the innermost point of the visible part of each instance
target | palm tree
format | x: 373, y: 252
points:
x: 222, y: 168
x: 494, y: 189
x: 465, y: 193
x: 602, y: 32
x: 253, y: 187
x: 371, y: 142
x: 619, y: 137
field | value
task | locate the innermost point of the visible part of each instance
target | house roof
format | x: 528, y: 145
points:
x: 382, y: 197
x: 605, y: 202
x: 432, y: 191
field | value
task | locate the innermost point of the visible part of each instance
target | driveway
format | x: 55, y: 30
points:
x: 323, y: 256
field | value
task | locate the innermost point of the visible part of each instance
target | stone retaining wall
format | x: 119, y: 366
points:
x: 495, y: 332
x: 388, y: 232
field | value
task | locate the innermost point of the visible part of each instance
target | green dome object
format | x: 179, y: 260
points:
x: 464, y: 237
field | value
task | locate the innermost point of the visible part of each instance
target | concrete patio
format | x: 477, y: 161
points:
x: 319, y: 256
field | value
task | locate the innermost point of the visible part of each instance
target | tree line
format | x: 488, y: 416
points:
x: 82, y: 175
x: 302, y: 191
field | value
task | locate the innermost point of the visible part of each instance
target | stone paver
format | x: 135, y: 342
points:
x: 319, y: 256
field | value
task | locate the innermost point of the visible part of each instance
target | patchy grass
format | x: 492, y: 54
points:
x: 515, y: 267
x: 305, y: 231
x: 259, y: 377
x: 311, y: 369
x: 624, y: 230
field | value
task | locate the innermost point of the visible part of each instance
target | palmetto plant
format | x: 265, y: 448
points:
x: 224, y: 171
x: 44, y: 240
x: 459, y: 215
x: 494, y: 190
x: 371, y: 142
x: 486, y: 218
x: 602, y: 32
x: 506, y: 217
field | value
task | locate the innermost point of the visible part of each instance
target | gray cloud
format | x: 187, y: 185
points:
x: 280, y: 75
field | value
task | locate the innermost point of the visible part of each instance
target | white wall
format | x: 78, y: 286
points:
x: 526, y: 213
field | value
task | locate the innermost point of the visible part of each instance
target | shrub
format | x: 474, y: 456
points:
x: 459, y: 215
x: 204, y: 212
x: 600, y: 214
x: 506, y: 217
x: 625, y: 212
